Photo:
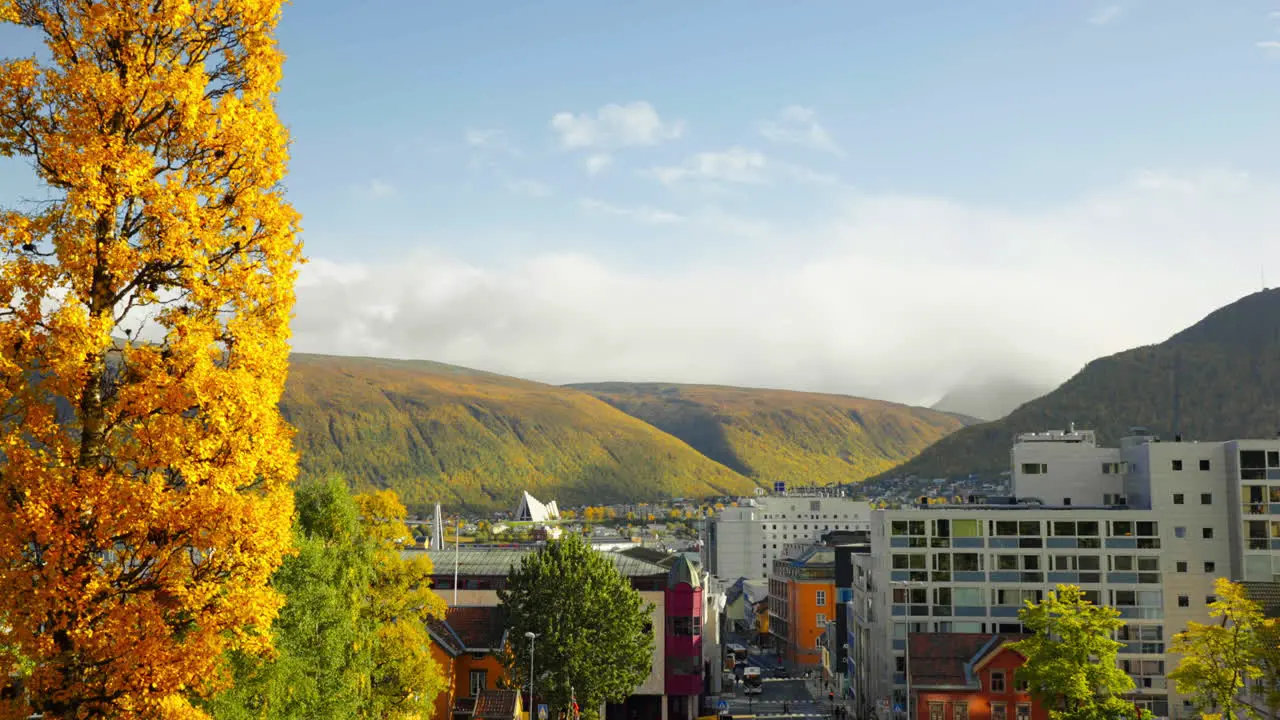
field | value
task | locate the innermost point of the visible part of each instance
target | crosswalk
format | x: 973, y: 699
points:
x: 777, y: 715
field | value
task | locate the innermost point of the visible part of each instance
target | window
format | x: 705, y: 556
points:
x: 998, y: 712
x: 479, y: 679
x: 1204, y: 466
x: 821, y: 599
x: 1177, y: 464
x: 960, y: 711
x: 1034, y: 468
x: 997, y: 681
x: 1065, y: 501
x: 935, y: 711
x: 1182, y: 566
x: 1024, y: 711
x: 1180, y: 532
x: 1206, y: 498
x: 1210, y: 599
x: 1209, y: 566
x: 1021, y: 685
x: 821, y: 619
x: 1177, y: 498
x: 1207, y: 533
x: 684, y: 626
x: 1184, y: 601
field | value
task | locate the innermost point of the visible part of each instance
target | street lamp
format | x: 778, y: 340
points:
x: 906, y: 665
x: 532, y: 637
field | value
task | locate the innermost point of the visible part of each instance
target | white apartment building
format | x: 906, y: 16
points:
x: 1146, y: 527
x: 743, y: 541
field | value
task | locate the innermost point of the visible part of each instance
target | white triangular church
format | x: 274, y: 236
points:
x: 530, y: 510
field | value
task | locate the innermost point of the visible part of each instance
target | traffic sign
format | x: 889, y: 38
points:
x: 542, y: 712
x: 897, y: 707
x: 722, y: 706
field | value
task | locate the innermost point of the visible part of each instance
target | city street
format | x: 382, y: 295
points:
x: 780, y: 698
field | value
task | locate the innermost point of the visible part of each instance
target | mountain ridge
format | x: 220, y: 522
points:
x: 463, y: 437
x: 1217, y: 379
x: 802, y: 438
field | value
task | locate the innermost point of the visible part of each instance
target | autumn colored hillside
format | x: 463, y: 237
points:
x: 1217, y: 380
x: 441, y: 433
x: 801, y: 438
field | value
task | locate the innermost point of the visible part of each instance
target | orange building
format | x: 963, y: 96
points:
x: 802, y: 597
x: 968, y: 676
x: 468, y: 645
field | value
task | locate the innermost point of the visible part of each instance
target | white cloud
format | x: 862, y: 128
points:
x: 796, y: 125
x: 735, y: 165
x: 644, y: 213
x: 376, y: 189
x: 525, y: 186
x: 1106, y: 14
x: 892, y: 296
x: 738, y: 166
x: 596, y: 163
x: 490, y: 139
x: 1271, y: 47
x: 614, y: 125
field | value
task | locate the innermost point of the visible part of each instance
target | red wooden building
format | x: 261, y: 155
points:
x: 968, y: 676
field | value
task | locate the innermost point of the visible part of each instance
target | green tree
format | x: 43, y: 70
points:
x: 323, y: 651
x: 1071, y: 657
x: 593, y: 629
x: 1219, y: 657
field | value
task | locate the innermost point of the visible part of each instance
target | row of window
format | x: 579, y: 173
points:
x: 960, y: 710
x: 1176, y: 465
x: 1016, y: 597
x: 1126, y: 633
x: 1110, y: 468
x: 953, y: 528
x: 976, y: 562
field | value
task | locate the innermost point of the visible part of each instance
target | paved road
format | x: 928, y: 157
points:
x: 778, y: 696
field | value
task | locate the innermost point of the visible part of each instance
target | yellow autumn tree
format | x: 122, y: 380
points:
x: 405, y: 679
x: 144, y: 480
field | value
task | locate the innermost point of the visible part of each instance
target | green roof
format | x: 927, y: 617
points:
x: 499, y: 561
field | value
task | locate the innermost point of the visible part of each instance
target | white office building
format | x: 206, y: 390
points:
x: 1146, y: 527
x: 743, y: 541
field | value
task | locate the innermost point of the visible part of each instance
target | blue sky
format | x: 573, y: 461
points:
x: 866, y: 197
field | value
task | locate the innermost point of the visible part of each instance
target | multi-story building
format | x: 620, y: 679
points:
x: 684, y: 646
x: 1146, y: 527
x: 802, y: 596
x: 744, y: 541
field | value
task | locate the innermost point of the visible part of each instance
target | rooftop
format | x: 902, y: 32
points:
x: 497, y: 704
x: 479, y: 628
x: 947, y: 659
x: 1266, y: 595
x: 499, y: 561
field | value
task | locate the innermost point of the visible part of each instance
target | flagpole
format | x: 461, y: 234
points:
x: 457, y: 544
